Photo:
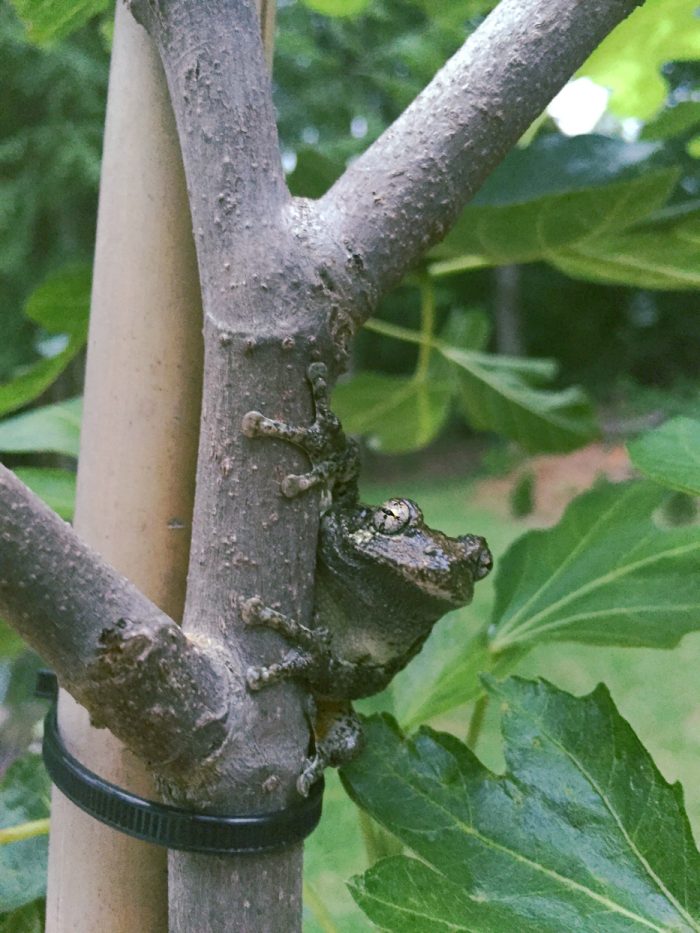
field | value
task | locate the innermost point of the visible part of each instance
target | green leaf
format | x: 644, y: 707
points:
x: 670, y: 455
x: 55, y: 486
x: 555, y: 193
x: 522, y: 495
x: 629, y: 60
x: 581, y: 833
x: 337, y: 7
x: 673, y: 121
x: 540, y: 229
x: 404, y: 894
x: 654, y: 255
x: 499, y: 393
x: 459, y: 681
x: 54, y: 428
x: 11, y: 645
x: 313, y: 174
x: 24, y: 796
x: 560, y: 165
x: 28, y: 919
x: 48, y: 21
x: 606, y: 575
x: 395, y: 413
x: 579, y: 204
x: 468, y: 330
x: 35, y: 379
x: 61, y: 306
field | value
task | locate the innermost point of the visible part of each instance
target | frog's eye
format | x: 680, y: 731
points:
x: 393, y: 516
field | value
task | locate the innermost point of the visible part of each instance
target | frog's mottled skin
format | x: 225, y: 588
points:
x: 383, y: 579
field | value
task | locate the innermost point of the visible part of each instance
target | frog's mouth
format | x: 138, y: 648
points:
x: 477, y: 552
x: 453, y: 587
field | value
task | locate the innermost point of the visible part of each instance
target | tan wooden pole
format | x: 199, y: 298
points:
x: 137, y: 462
x: 138, y: 455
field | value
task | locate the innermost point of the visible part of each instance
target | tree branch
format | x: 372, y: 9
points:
x: 126, y: 661
x: 403, y: 194
x: 220, y: 87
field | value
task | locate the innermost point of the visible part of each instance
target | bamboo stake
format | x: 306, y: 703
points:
x: 138, y: 454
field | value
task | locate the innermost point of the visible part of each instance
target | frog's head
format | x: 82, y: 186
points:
x: 392, y: 541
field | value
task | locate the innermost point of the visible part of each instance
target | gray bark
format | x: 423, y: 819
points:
x: 285, y: 282
x: 403, y: 194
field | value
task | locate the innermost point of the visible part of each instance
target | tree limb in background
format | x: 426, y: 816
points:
x: 403, y: 194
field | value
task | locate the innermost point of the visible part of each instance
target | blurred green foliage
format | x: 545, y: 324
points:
x: 51, y: 125
x: 60, y: 309
x: 340, y: 81
x: 24, y: 796
x: 631, y: 59
x: 47, y: 21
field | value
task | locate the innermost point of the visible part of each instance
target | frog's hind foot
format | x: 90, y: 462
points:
x: 293, y: 664
x: 320, y: 475
x: 255, y: 612
x: 338, y: 737
x: 310, y: 645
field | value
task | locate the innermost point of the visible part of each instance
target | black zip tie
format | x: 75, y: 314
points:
x: 161, y: 824
x: 46, y: 686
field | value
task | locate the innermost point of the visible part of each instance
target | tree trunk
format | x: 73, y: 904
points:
x: 506, y: 304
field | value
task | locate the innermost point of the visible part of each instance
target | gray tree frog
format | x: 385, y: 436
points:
x: 383, y: 579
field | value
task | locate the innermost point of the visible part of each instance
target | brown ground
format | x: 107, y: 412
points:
x: 558, y: 478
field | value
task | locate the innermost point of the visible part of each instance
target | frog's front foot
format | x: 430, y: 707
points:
x: 334, y: 458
